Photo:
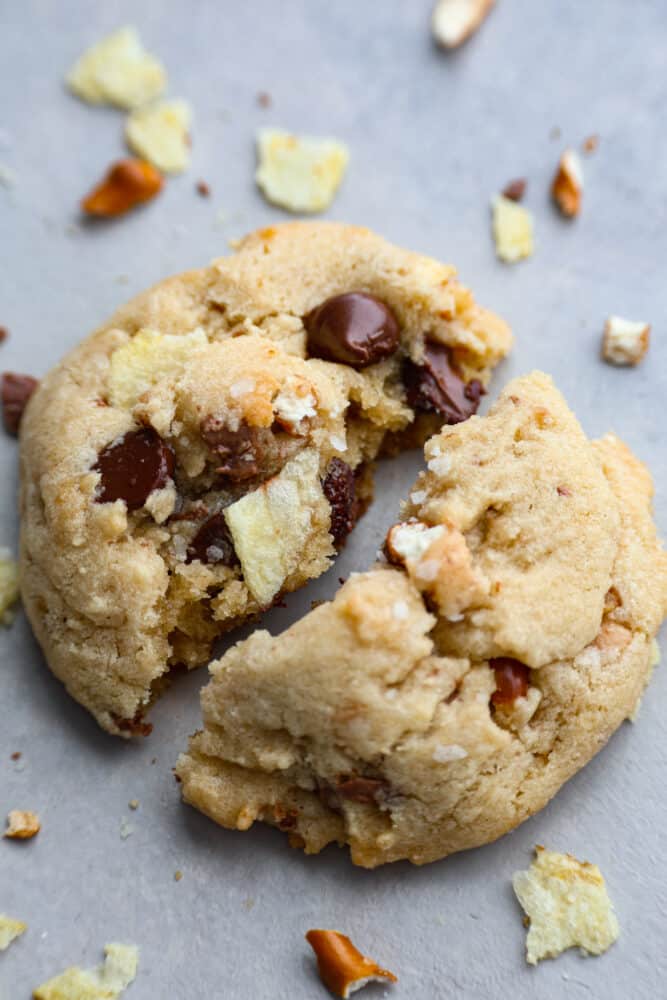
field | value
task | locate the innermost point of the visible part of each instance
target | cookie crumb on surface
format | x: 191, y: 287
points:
x: 126, y: 828
x: 10, y: 929
x: 9, y: 589
x: 178, y: 875
x: 203, y: 189
x: 133, y: 803
x: 264, y: 99
x: 299, y: 173
x: 625, y: 341
x: 4, y: 333
x: 342, y: 968
x: 117, y: 70
x: 566, y: 904
x: 160, y: 133
x: 516, y: 189
x: 106, y: 982
x: 512, y: 230
x: 22, y: 824
x: 454, y: 21
x: 590, y: 144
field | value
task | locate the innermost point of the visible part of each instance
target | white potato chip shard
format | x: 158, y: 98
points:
x: 10, y: 929
x: 160, y: 133
x: 512, y: 229
x: 270, y: 526
x: 106, y: 982
x: 299, y: 173
x: 567, y: 904
x: 117, y: 70
x: 9, y: 586
x: 625, y: 341
x: 146, y: 359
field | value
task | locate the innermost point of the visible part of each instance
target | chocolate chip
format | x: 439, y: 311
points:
x: 516, y: 189
x: 512, y: 680
x: 213, y: 543
x: 364, y: 790
x: 15, y: 392
x: 355, y: 329
x: 133, y: 467
x: 239, y: 452
x: 135, y: 726
x: 339, y: 489
x: 436, y: 385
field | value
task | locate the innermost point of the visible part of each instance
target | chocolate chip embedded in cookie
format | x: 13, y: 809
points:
x: 439, y: 700
x: 437, y: 385
x: 133, y: 467
x: 355, y: 329
x: 15, y: 391
x: 208, y: 450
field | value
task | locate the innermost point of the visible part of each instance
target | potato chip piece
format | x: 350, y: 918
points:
x: 145, y: 360
x: 106, y: 982
x: 160, y: 133
x: 9, y: 586
x: 119, y: 71
x: 300, y: 173
x: 10, y: 929
x: 567, y: 904
x: 512, y: 229
x: 270, y: 526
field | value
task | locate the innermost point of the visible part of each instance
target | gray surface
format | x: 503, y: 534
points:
x: 432, y: 137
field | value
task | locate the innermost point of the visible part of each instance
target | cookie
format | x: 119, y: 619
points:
x: 211, y: 446
x: 458, y: 684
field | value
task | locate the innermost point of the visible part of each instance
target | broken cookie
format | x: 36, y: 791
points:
x: 210, y: 448
x: 459, y: 684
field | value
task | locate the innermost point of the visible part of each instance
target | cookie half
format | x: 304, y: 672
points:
x: 210, y: 447
x: 458, y: 685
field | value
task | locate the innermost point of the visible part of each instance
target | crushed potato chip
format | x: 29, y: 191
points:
x: 9, y: 586
x: 270, y: 526
x: 22, y: 824
x: 300, y: 173
x: 10, y: 929
x: 567, y: 904
x: 145, y: 360
x: 106, y: 982
x: 160, y: 133
x: 512, y: 230
x: 117, y: 70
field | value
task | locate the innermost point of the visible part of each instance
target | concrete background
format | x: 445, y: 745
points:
x: 432, y: 137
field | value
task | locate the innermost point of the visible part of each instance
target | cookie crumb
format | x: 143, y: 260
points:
x: 133, y: 803
x: 16, y: 755
x: 22, y: 825
x: 567, y: 906
x: 203, y: 189
x: 516, y: 189
x: 106, y: 982
x: 178, y: 875
x: 625, y: 341
x: 10, y: 929
x: 4, y: 333
x: 590, y: 144
x: 264, y: 99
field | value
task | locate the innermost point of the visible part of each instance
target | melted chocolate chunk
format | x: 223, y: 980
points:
x: 239, y: 452
x: 355, y: 329
x: 436, y: 385
x: 130, y: 469
x: 512, y: 680
x: 213, y: 543
x: 15, y: 392
x: 339, y: 489
x: 364, y: 790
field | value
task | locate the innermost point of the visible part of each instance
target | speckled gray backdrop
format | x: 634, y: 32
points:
x: 432, y: 137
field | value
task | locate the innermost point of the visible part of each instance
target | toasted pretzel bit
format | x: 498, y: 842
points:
x: 342, y: 968
x: 568, y: 184
x: 128, y: 183
x: 454, y: 21
x: 22, y: 825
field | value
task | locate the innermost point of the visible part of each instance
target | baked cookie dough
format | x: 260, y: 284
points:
x: 209, y: 448
x: 459, y: 684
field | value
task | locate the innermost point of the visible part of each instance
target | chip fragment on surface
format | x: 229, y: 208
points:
x: 22, y: 825
x: 299, y: 173
x: 160, y: 133
x: 9, y: 586
x: 10, y: 929
x: 117, y: 70
x: 512, y: 230
x: 106, y: 982
x: 567, y: 904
